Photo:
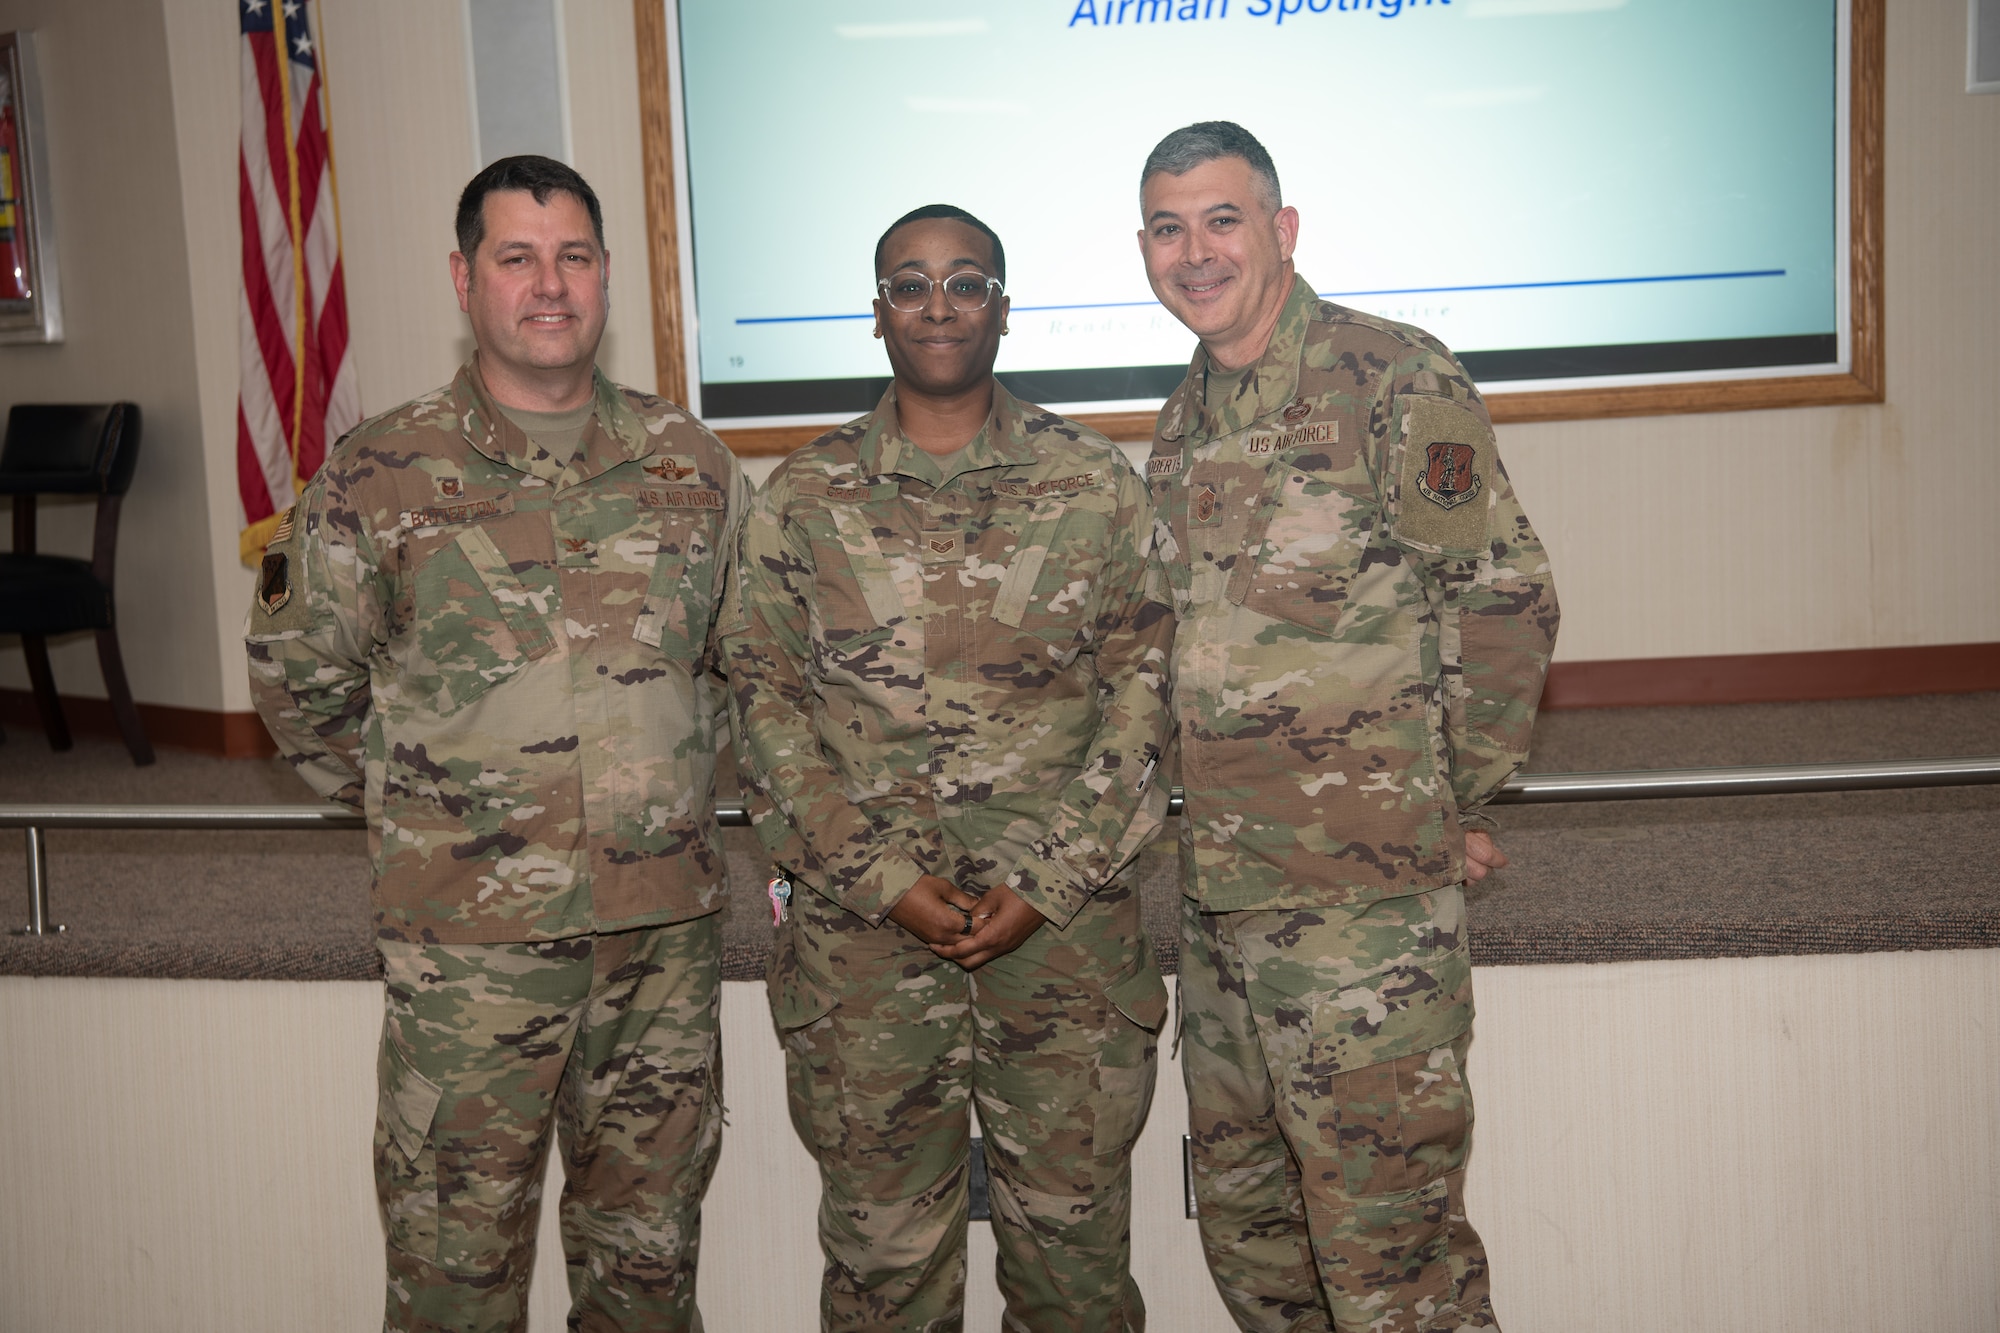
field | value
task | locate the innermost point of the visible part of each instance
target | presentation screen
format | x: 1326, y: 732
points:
x: 1567, y: 192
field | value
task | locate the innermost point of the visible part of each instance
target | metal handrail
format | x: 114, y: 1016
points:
x: 1521, y: 789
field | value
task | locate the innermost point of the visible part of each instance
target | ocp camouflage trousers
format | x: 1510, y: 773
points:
x: 609, y: 1040
x: 885, y: 1046
x: 1324, y: 1052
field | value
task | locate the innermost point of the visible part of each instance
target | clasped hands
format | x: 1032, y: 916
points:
x: 974, y: 931
x: 969, y: 931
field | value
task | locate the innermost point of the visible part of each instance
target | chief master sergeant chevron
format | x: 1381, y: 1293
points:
x: 487, y: 622
x: 1365, y: 621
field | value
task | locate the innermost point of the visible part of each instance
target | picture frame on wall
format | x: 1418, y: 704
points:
x: 30, y: 291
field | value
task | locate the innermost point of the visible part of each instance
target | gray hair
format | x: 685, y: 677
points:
x: 1205, y: 141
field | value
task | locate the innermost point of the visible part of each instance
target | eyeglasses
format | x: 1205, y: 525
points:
x: 965, y: 291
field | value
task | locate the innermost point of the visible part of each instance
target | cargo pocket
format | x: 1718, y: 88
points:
x: 1127, y: 1060
x: 1400, y: 1125
x: 812, y: 1056
x: 405, y: 1160
x: 476, y: 622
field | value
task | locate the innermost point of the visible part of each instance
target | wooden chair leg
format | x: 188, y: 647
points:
x: 122, y: 707
x: 36, y: 649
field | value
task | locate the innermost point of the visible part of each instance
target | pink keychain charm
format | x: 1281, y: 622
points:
x: 779, y: 891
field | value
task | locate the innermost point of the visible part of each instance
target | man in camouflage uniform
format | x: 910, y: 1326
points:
x: 487, y: 624
x: 1365, y: 620
x: 949, y: 683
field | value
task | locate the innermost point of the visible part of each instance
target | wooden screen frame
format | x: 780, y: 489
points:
x: 1863, y: 382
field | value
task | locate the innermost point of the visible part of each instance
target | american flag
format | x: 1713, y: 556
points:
x: 298, y: 392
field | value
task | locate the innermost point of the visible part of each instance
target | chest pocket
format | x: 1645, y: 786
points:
x: 680, y: 595
x: 1051, y: 586
x: 477, y: 621
x: 1304, y: 550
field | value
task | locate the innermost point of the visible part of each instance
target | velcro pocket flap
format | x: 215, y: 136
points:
x: 408, y: 1100
x: 1141, y: 995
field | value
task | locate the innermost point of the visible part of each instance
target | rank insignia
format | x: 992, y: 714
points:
x: 274, y: 583
x: 1202, y: 505
x: 943, y: 545
x: 451, y: 488
x: 1296, y: 411
x: 1448, y: 479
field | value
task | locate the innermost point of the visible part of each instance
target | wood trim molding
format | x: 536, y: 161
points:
x: 1864, y: 382
x: 656, y: 152
x: 229, y: 735
x: 1854, y: 673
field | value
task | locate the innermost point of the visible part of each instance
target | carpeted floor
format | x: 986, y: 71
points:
x: 1589, y: 883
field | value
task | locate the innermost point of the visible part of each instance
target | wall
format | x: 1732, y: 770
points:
x: 1673, y: 536
x: 123, y: 236
x: 1792, y: 1145
x: 1819, y: 528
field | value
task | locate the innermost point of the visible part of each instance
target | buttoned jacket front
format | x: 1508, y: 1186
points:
x: 1366, y: 615
x: 505, y: 658
x: 958, y: 672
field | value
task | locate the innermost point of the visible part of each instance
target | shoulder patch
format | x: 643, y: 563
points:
x: 279, y: 605
x: 274, y: 582
x: 1445, y: 477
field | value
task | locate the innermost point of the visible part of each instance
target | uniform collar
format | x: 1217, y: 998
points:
x: 613, y: 435
x: 1272, y: 382
x: 1002, y: 442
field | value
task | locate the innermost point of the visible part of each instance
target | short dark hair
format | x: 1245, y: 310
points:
x: 1205, y: 141
x: 953, y: 213
x: 539, y: 176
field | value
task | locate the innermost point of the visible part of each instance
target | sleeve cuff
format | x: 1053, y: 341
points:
x: 875, y: 893
x: 1039, y: 881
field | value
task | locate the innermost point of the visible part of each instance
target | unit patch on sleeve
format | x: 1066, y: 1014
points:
x: 1446, y: 475
x: 274, y: 583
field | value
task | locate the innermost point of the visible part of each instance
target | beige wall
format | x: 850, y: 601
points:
x: 1791, y: 1145
x: 1725, y: 533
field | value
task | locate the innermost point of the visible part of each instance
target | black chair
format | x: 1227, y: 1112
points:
x: 69, y: 449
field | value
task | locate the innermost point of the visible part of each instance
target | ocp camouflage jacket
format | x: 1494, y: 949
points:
x: 955, y: 673
x: 505, y: 658
x: 1365, y: 615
